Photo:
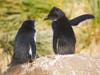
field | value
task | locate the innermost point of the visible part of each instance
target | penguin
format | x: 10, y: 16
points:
x: 64, y: 39
x: 24, y: 44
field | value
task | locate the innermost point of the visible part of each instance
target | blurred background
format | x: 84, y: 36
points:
x: 14, y: 12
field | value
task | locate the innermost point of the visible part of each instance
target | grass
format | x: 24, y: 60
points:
x: 13, y: 13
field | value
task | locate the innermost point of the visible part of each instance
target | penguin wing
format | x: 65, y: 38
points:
x: 79, y: 19
x: 32, y: 48
x: 55, y: 43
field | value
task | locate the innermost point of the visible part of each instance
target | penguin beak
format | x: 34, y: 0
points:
x: 46, y: 18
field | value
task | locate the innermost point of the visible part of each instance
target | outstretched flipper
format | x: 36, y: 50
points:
x: 81, y: 18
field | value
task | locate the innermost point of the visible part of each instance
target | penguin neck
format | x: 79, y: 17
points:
x: 63, y: 21
x: 64, y: 18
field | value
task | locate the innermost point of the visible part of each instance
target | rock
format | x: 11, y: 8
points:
x: 58, y: 65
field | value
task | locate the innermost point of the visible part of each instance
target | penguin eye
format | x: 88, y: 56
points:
x: 55, y: 15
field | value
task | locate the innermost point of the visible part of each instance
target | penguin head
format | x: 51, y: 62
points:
x: 28, y: 24
x: 55, y: 14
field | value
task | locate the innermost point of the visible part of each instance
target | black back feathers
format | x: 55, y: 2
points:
x: 63, y: 35
x: 24, y: 43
